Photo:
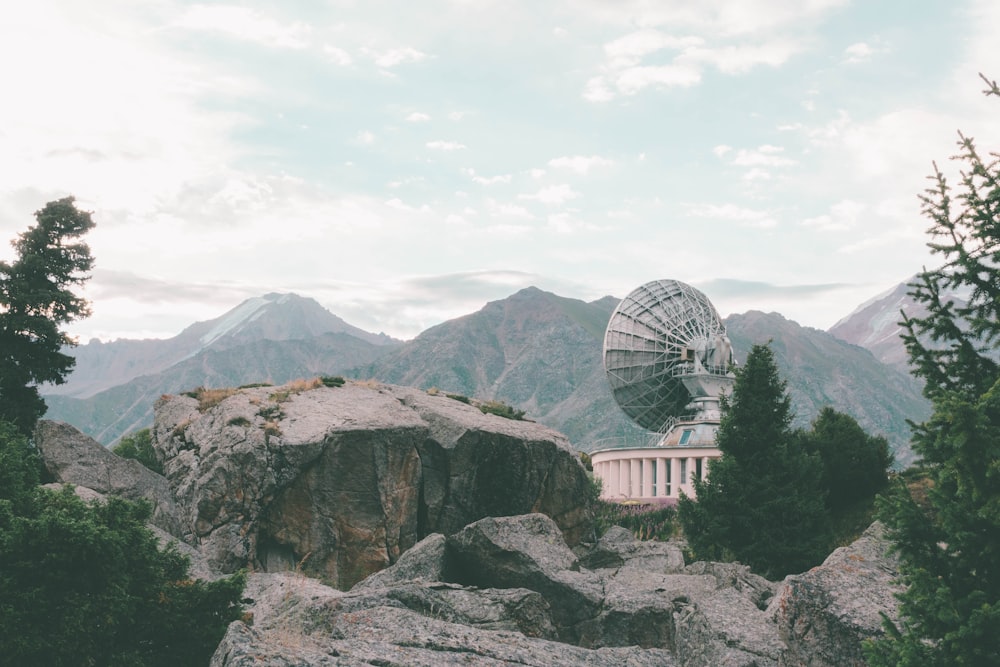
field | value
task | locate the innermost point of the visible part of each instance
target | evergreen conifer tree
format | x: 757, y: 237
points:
x: 35, y: 300
x: 949, y: 546
x: 762, y: 503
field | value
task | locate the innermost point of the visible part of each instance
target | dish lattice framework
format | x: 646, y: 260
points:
x: 648, y: 345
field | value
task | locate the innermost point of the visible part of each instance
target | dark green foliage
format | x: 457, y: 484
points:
x: 139, y: 446
x: 647, y: 522
x: 35, y: 300
x: 86, y: 583
x: 501, y: 409
x: 948, y: 540
x: 854, y: 463
x: 239, y: 421
x: 332, y: 381
x: 763, y: 502
x: 459, y: 397
x: 20, y: 468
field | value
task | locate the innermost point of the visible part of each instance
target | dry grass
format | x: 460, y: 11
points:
x: 209, y: 398
x: 300, y: 385
x: 370, y: 383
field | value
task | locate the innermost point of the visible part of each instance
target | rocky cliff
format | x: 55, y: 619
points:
x: 340, y: 481
x: 445, y: 536
x: 509, y: 591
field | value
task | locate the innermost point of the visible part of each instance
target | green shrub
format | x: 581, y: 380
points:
x: 332, y: 381
x: 239, y: 421
x: 87, y: 584
x: 501, y: 409
x: 139, y: 446
x: 647, y: 522
x: 459, y: 397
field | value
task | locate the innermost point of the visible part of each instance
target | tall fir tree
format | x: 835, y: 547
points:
x: 949, y: 545
x: 36, y: 299
x: 762, y: 503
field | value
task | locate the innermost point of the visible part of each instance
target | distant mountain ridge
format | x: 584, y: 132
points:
x: 276, y: 317
x: 274, y: 338
x: 535, y: 350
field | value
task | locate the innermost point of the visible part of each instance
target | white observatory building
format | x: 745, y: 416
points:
x: 668, y: 359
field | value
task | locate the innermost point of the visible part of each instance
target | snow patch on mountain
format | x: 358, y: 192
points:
x: 243, y: 314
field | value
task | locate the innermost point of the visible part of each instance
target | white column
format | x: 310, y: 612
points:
x: 623, y: 478
x: 675, y: 477
x: 661, y: 477
x: 634, y: 490
x: 647, y: 478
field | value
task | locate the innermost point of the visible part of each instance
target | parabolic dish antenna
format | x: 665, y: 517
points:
x: 665, y: 347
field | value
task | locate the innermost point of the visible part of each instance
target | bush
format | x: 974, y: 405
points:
x: 332, y: 381
x: 87, y: 584
x: 139, y: 446
x: 501, y: 409
x: 647, y: 522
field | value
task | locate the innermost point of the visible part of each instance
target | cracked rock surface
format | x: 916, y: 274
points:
x: 340, y: 481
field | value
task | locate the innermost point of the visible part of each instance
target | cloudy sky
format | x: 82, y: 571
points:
x: 405, y: 162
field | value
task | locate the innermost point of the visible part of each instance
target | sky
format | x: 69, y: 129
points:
x: 403, y: 163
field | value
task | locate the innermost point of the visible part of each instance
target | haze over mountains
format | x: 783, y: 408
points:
x: 535, y: 350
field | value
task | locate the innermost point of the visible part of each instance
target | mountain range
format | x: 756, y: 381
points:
x: 535, y: 350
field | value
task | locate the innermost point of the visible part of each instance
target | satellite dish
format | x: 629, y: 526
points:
x: 667, y: 354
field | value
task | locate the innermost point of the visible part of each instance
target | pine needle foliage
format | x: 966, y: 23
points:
x: 763, y: 501
x: 949, y: 541
x: 36, y: 299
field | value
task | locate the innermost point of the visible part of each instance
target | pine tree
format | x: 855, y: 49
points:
x: 855, y: 464
x: 35, y: 300
x: 949, y: 545
x: 762, y: 503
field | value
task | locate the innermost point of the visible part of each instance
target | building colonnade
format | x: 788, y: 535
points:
x: 648, y: 474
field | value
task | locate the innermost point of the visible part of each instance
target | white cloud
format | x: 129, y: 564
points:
x: 634, y: 79
x: 553, y: 194
x: 858, y: 52
x: 337, y: 55
x: 748, y: 217
x: 417, y: 117
x: 364, y: 137
x: 483, y: 180
x: 445, y: 145
x: 246, y: 24
x: 721, y: 149
x: 843, y: 216
x: 762, y: 156
x: 597, y: 90
x: 581, y: 164
x: 457, y: 115
x: 630, y: 49
x: 742, y: 58
x: 508, y: 210
x: 394, y: 57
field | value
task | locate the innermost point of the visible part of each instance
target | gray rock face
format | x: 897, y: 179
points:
x: 824, y: 614
x: 516, y: 594
x: 71, y: 457
x: 341, y: 481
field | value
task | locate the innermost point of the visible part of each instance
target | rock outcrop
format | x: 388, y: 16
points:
x: 343, y: 482
x: 70, y: 457
x: 824, y: 614
x: 508, y: 590
x: 340, y: 481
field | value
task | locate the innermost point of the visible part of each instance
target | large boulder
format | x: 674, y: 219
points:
x: 70, y: 457
x: 825, y: 614
x: 297, y: 621
x: 508, y: 590
x: 340, y: 481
